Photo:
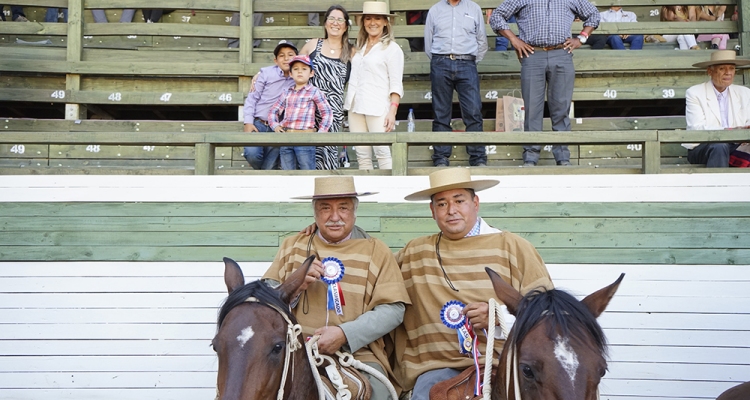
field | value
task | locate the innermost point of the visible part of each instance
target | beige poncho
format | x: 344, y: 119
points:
x: 371, y: 278
x: 423, y: 343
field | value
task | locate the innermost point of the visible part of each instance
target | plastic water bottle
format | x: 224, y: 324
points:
x: 410, y: 121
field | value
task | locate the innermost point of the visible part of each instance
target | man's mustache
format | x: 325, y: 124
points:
x: 335, y: 223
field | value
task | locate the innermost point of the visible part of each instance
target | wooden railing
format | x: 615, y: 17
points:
x: 205, y: 145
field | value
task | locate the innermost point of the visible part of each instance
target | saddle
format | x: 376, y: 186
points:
x: 342, y: 381
x: 460, y: 387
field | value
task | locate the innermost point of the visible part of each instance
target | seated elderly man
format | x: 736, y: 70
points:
x: 717, y: 104
x: 449, y: 266
x: 362, y: 270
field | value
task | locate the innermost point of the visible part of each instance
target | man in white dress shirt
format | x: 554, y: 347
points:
x: 717, y: 104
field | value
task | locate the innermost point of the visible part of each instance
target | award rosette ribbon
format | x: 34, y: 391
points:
x: 452, y: 316
x: 333, y: 272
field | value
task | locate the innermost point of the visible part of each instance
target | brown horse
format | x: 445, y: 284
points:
x: 556, y: 348
x: 739, y: 392
x: 260, y: 351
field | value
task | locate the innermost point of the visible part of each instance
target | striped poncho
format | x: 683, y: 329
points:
x: 371, y: 278
x: 423, y: 343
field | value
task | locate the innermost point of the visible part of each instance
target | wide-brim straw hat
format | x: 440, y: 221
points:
x: 723, y: 57
x: 374, y: 8
x: 331, y: 187
x: 449, y: 179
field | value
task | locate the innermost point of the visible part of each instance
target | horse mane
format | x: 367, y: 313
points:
x: 261, y: 291
x: 569, y: 315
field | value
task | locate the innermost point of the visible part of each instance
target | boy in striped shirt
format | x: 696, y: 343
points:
x: 298, y: 105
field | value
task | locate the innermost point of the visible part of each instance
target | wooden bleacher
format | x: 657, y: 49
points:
x: 109, y: 286
x: 90, y: 70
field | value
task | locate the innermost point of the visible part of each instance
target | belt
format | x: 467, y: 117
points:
x: 299, y: 130
x: 548, y: 48
x: 467, y: 57
x: 262, y: 121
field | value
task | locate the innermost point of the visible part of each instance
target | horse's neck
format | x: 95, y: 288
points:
x: 301, y: 384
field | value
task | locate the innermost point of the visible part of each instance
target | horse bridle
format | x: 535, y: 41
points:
x: 292, y: 342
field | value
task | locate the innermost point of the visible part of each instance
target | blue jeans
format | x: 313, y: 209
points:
x: 447, y: 75
x: 52, y: 14
x: 293, y: 156
x: 427, y: 380
x: 616, y: 42
x: 262, y: 157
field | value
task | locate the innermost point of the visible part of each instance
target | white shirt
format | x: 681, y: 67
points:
x: 374, y: 77
x: 617, y: 16
x: 723, y: 98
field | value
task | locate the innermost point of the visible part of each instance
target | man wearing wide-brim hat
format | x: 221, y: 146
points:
x: 370, y: 293
x: 717, y: 104
x: 450, y: 265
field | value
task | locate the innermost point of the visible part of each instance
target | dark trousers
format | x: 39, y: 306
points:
x: 447, y: 75
x: 714, y: 155
x: 15, y: 12
x: 549, y: 73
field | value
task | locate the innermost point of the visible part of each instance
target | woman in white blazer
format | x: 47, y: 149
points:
x: 375, y: 85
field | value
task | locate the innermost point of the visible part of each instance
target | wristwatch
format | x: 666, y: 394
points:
x: 583, y: 38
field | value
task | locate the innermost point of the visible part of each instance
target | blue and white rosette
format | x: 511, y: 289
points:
x: 333, y: 272
x: 453, y: 317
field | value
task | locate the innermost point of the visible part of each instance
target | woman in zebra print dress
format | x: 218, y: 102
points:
x: 331, y: 57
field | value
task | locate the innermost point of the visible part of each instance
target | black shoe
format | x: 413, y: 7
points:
x: 529, y: 164
x: 564, y: 163
x: 714, y: 46
x: 440, y: 163
x: 480, y: 164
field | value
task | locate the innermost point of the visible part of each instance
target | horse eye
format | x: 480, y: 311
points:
x: 277, y: 348
x: 213, y: 345
x: 603, y: 372
x: 527, y: 372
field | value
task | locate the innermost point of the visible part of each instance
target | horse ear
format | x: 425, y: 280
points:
x: 233, y: 276
x: 505, y: 292
x: 290, y: 286
x: 596, y: 302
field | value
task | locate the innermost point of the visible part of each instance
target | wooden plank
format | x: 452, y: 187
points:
x: 140, y: 239
x: 223, y: 5
x: 162, y: 363
x: 578, y: 225
x: 237, y: 223
x: 112, y: 394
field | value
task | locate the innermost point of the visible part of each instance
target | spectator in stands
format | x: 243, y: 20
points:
x: 151, y: 15
x: 101, y: 17
x: 375, y: 87
x: 463, y: 248
x: 271, y: 83
x: 53, y: 14
x: 455, y: 42
x: 331, y: 57
x: 416, y: 18
x: 16, y: 14
x: 502, y: 43
x: 680, y: 14
x: 617, y: 42
x: 299, y: 106
x: 546, y: 57
x: 717, y: 104
x: 371, y: 288
x: 712, y: 13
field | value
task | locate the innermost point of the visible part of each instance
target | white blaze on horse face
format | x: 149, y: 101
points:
x: 567, y: 357
x: 245, y: 335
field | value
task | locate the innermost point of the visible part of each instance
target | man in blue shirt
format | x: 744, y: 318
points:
x: 545, y: 49
x: 455, y: 41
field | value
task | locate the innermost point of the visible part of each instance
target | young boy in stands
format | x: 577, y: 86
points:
x: 271, y: 84
x: 298, y: 106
